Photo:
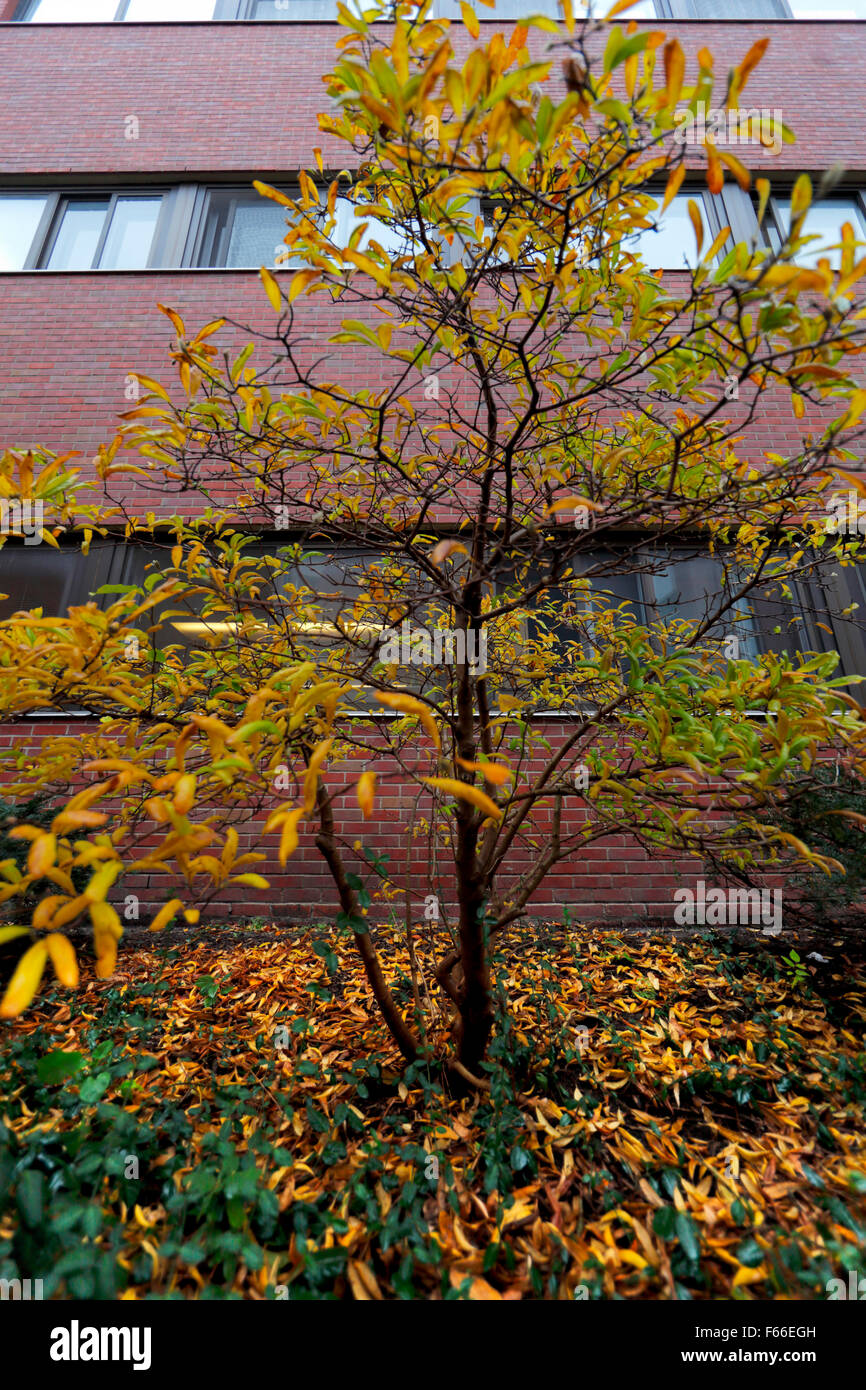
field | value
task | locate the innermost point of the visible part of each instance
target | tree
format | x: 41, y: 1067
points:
x: 546, y: 420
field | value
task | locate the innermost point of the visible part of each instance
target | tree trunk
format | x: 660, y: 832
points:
x: 476, y: 1009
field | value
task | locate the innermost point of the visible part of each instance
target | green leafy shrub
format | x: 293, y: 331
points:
x: 814, y: 817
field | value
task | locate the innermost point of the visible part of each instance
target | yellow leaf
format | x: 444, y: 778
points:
x: 366, y: 792
x: 268, y: 191
x: 24, y: 982
x: 739, y: 171
x: 517, y: 1211
x: 301, y: 281
x: 62, y: 954
x: 672, y: 188
x: 568, y: 503
x: 470, y: 18
x: 289, y: 836
x: 272, y: 289
x: 465, y: 792
x: 763, y: 187
x: 407, y: 704
x: 479, y: 1289
x: 105, y: 919
x: 165, y: 914
x: 149, y: 383
x: 311, y: 778
x: 251, y: 880
x: 801, y: 198
x: 176, y: 320
x: 106, y: 956
x: 441, y: 551
x: 855, y: 409
x: 9, y: 933
x: 718, y: 242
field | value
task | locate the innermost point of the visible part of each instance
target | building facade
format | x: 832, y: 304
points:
x: 131, y: 132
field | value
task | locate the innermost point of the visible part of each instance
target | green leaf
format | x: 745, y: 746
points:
x: 811, y: 1176
x: 30, y: 1195
x: 750, y: 1253
x: 663, y: 1222
x: 94, y: 1087
x: 58, y: 1066
x: 687, y: 1234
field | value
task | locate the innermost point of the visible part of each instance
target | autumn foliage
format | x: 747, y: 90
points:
x: 545, y: 417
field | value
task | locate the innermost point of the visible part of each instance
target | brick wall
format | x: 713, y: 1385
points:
x: 612, y: 879
x: 220, y: 99
x: 244, y: 97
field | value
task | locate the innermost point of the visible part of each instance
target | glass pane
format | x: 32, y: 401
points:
x: 257, y: 228
x: 300, y: 9
x: 242, y: 229
x: 824, y: 221
x: 74, y: 11
x: 670, y: 245
x: 130, y: 235
x: 43, y: 579
x: 691, y: 590
x: 80, y: 230
x: 158, y: 11
x: 392, y: 240
x: 829, y: 9
x: 19, y: 218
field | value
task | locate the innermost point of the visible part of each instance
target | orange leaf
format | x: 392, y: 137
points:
x: 675, y: 69
x: 750, y: 62
x: 366, y: 792
x: 479, y: 1289
x: 496, y: 773
x: 464, y: 791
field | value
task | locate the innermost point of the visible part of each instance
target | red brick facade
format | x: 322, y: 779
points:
x: 216, y: 99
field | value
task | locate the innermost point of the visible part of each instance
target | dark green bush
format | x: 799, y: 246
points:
x: 812, y: 815
x: 38, y: 811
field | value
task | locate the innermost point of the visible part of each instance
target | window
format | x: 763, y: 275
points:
x: 241, y: 228
x: 106, y: 11
x: 20, y: 216
x: 106, y: 231
x: 141, y: 229
x: 824, y: 222
x: 111, y: 233
x: 688, y: 587
x: 670, y: 243
x: 57, y: 579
